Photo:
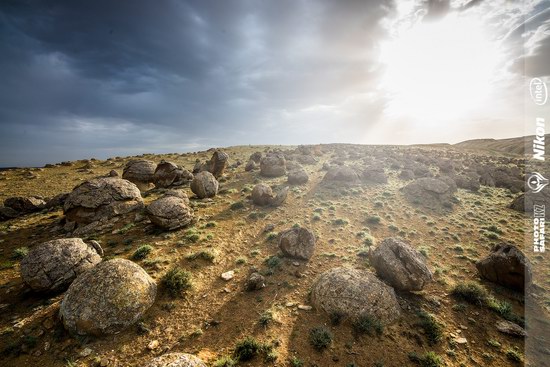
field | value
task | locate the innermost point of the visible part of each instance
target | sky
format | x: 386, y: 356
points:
x: 103, y: 78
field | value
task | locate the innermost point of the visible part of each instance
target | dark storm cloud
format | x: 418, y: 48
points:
x: 83, y: 78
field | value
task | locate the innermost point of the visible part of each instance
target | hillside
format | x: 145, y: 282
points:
x: 510, y: 146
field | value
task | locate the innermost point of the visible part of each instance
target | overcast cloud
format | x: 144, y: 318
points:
x: 102, y: 78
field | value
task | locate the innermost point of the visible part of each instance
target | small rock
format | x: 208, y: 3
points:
x: 510, y: 328
x: 305, y: 307
x: 228, y: 275
x: 85, y: 352
x: 153, y: 345
x: 461, y: 340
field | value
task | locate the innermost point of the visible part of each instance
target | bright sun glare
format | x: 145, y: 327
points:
x: 438, y: 71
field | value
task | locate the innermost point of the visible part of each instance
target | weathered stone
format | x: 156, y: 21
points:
x: 204, y: 185
x: 100, y: 198
x: 273, y: 165
x: 254, y: 282
x: 262, y: 195
x: 297, y: 242
x: 341, y: 174
x: 506, y: 265
x: 168, y: 174
x: 53, y: 265
x: 400, y: 265
x: 24, y: 205
x: 351, y: 293
x: 218, y: 163
x: 108, y: 298
x: 430, y: 193
x: 176, y: 360
x: 507, y: 327
x: 298, y: 176
x: 140, y: 172
x: 170, y: 212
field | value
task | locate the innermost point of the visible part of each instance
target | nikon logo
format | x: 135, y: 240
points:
x: 538, y: 142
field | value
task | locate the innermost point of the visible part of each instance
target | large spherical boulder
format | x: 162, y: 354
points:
x: 107, y: 299
x: 141, y: 172
x: 204, y: 185
x: 176, y: 360
x: 430, y: 193
x: 53, y: 265
x: 297, y: 242
x: 273, y: 165
x: 262, y: 195
x: 101, y: 198
x: 400, y: 265
x: 168, y: 174
x: 170, y: 212
x: 352, y: 294
x: 506, y: 265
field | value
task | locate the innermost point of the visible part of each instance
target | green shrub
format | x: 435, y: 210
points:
x: 20, y: 253
x: 225, y: 361
x: 429, y: 359
x: 273, y: 261
x: 471, y: 292
x: 176, y: 281
x: 514, y: 355
x: 374, y: 219
x: 237, y: 205
x: 432, y: 328
x: 296, y: 362
x: 202, y: 255
x: 142, y: 252
x: 320, y: 337
x: 368, y: 325
x: 247, y: 349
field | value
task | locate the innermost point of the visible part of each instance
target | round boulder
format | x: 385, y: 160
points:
x: 107, y: 299
x: 141, y: 172
x: 352, y: 294
x: 400, y: 265
x: 53, y: 265
x: 176, y: 360
x: 429, y: 192
x: 262, y: 195
x: 506, y: 265
x: 204, y: 185
x: 101, y: 198
x: 273, y: 165
x: 170, y: 212
x: 341, y: 174
x: 298, y: 176
x: 297, y: 242
x: 168, y: 174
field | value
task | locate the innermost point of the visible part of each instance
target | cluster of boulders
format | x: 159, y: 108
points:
x: 431, y: 193
x: 353, y: 294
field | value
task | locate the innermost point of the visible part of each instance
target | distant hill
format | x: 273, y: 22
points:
x: 513, y: 146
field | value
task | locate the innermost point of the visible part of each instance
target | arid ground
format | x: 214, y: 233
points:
x: 230, y: 232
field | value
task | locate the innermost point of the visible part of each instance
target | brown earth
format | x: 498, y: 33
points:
x: 215, y: 314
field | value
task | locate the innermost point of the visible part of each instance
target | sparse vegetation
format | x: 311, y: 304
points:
x: 432, y: 328
x: 176, y: 281
x: 430, y: 359
x: 320, y: 338
x: 142, y: 252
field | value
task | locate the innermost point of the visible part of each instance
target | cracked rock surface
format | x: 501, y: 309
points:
x: 204, y: 185
x: 140, y: 172
x: 507, y: 266
x: 101, y: 198
x: 53, y: 265
x: 400, y: 265
x: 170, y: 212
x: 107, y: 299
x: 168, y: 174
x: 297, y: 242
x: 352, y: 293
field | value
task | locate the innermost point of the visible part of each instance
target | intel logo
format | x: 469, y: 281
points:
x: 538, y: 90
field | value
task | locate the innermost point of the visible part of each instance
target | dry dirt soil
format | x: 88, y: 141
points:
x: 214, y: 315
